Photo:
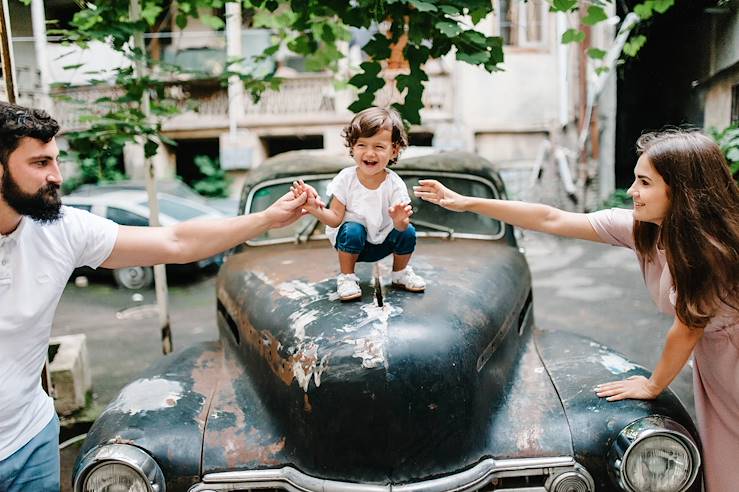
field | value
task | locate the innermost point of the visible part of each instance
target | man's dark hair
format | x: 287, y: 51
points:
x: 17, y: 122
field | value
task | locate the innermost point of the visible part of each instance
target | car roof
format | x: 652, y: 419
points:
x: 170, y: 186
x: 128, y: 197
x: 297, y: 163
x: 135, y: 200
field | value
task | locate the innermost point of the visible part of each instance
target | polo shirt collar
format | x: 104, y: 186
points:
x: 13, y: 236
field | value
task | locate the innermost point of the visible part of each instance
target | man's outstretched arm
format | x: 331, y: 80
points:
x: 198, y: 239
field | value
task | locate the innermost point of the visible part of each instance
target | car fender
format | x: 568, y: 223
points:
x: 164, y: 412
x: 576, y: 364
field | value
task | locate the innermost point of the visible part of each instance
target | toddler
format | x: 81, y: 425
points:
x: 369, y: 216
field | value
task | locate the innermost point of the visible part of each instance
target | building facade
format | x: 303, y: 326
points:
x: 509, y: 117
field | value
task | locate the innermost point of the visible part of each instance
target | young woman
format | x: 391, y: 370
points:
x: 684, y: 230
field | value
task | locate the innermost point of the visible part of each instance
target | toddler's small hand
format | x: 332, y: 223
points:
x: 314, y: 200
x: 400, y: 213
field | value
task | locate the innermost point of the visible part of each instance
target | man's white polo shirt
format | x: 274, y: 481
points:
x: 35, y: 264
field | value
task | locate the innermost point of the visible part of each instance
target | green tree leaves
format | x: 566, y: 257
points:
x: 596, y: 54
x: 563, y: 5
x: 370, y: 80
x: 448, y: 28
x: 632, y: 46
x: 572, y: 36
x: 595, y: 14
x: 728, y: 140
x: 408, y: 32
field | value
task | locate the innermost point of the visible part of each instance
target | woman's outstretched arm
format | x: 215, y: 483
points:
x: 679, y: 345
x: 533, y: 216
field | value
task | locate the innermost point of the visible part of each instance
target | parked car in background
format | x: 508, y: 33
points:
x: 227, y: 206
x: 130, y: 207
x: 454, y: 389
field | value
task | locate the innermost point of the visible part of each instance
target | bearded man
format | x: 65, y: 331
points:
x: 41, y: 243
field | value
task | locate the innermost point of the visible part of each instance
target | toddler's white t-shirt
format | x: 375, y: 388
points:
x: 365, y: 206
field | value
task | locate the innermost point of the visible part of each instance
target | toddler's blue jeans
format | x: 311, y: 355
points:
x: 352, y: 238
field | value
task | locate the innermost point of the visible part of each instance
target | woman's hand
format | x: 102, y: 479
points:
x: 435, y: 192
x: 634, y: 388
x: 401, y: 215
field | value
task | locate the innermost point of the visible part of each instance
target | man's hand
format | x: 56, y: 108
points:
x: 401, y: 215
x: 286, y: 210
x: 435, y: 192
x: 634, y: 388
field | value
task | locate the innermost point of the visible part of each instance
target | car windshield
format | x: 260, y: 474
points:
x: 427, y: 217
x: 177, y: 209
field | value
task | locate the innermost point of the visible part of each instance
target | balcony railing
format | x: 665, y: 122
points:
x: 300, y: 99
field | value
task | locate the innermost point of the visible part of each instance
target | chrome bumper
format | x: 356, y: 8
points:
x: 486, y: 473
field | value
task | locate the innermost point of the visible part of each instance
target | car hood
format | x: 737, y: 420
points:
x: 397, y: 387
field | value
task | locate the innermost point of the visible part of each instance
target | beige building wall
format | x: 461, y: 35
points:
x: 724, y: 74
x: 718, y: 99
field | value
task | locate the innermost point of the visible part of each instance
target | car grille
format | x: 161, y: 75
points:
x: 529, y: 475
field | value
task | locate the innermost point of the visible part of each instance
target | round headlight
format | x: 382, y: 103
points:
x: 658, y: 464
x: 115, y: 477
x: 118, y: 468
x: 655, y: 454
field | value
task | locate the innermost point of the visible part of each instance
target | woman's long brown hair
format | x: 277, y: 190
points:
x: 700, y: 232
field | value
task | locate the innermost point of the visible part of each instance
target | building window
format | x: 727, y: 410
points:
x: 522, y: 23
x: 735, y: 104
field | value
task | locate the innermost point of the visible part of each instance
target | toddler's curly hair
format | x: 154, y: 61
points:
x: 368, y: 122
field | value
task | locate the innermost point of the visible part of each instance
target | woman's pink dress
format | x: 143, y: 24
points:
x: 715, y: 359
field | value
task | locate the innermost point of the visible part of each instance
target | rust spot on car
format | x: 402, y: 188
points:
x: 264, y: 342
x: 229, y: 422
x: 205, y: 377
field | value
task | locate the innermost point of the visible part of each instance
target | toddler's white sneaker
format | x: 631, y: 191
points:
x: 408, y: 280
x: 347, y: 286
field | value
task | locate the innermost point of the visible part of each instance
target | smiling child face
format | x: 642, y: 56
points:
x: 372, y: 154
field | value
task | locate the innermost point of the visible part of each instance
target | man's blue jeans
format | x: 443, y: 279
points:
x: 352, y: 238
x: 35, y: 466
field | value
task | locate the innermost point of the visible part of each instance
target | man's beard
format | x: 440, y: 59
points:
x: 43, y: 206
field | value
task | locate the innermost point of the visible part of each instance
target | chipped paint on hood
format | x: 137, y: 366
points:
x: 305, y: 364
x: 301, y: 319
x: 616, y: 364
x: 371, y: 349
x: 147, y: 395
x: 297, y: 289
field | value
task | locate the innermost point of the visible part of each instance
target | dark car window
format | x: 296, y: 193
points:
x: 462, y: 223
x: 427, y: 217
x: 264, y: 197
x: 124, y: 217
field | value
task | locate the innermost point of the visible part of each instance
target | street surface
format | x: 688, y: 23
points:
x: 586, y: 288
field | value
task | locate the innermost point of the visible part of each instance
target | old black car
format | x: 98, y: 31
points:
x: 453, y: 389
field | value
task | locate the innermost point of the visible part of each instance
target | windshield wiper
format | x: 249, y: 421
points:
x: 306, y: 231
x: 435, y: 227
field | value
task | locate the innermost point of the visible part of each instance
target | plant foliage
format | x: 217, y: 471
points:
x: 406, y: 34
